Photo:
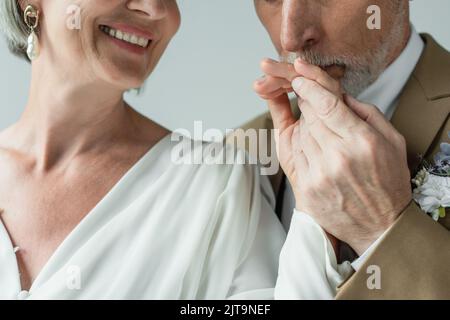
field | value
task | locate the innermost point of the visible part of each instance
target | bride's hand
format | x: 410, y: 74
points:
x: 277, y: 79
x: 274, y: 87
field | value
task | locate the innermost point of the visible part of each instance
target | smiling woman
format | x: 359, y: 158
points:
x: 92, y: 203
x: 86, y: 45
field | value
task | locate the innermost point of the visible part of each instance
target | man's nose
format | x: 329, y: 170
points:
x: 155, y: 9
x: 299, y: 31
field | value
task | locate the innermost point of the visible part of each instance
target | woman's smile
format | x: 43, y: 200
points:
x: 115, y: 43
x: 127, y: 37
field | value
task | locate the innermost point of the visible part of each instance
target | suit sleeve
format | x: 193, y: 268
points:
x: 411, y: 262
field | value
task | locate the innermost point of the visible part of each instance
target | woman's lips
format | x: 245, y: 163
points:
x: 128, y: 46
x: 127, y: 37
x: 138, y: 31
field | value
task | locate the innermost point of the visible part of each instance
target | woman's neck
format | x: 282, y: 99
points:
x: 64, y: 117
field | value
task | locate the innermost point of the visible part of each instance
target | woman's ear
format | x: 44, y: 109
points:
x: 24, y: 3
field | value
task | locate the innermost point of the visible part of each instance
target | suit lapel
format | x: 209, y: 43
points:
x: 422, y: 111
x: 419, y: 121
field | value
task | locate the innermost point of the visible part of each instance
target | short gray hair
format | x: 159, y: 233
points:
x: 13, y: 27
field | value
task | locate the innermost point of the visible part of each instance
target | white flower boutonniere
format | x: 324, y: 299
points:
x: 432, y: 183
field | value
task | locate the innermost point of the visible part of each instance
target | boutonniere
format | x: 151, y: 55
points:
x: 432, y: 191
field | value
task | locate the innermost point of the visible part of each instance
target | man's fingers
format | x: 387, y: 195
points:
x: 321, y: 133
x: 328, y: 107
x: 300, y: 161
x: 309, y: 145
x: 279, y: 69
x: 319, y: 75
x: 372, y: 116
x: 280, y: 110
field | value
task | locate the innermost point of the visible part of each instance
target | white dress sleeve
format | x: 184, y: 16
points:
x: 308, y: 265
x: 256, y: 276
x: 244, y: 261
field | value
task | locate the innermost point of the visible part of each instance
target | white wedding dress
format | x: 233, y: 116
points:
x: 182, y: 231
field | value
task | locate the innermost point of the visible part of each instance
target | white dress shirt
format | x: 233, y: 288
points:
x: 383, y: 93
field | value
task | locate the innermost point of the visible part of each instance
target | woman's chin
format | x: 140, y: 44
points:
x: 130, y: 84
x: 123, y: 68
x: 124, y: 79
x: 127, y: 73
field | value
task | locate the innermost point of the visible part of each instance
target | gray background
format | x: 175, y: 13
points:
x: 208, y: 70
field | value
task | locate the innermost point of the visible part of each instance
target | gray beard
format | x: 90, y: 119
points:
x: 360, y: 71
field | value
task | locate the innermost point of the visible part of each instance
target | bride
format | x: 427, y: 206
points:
x: 93, y: 204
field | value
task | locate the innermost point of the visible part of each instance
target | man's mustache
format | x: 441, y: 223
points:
x: 314, y: 58
x: 336, y: 67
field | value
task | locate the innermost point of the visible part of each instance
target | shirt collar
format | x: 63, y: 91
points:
x: 385, y: 91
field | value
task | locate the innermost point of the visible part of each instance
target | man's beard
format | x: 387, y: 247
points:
x: 360, y: 70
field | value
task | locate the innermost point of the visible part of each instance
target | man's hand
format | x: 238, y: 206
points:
x: 346, y: 163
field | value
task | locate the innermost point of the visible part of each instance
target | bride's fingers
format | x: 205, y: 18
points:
x: 274, y: 94
x: 269, y: 84
x: 319, y: 75
x: 279, y: 69
x: 281, y: 112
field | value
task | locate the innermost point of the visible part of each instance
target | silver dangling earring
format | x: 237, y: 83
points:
x: 31, y: 18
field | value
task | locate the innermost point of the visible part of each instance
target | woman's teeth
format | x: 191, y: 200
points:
x: 127, y: 37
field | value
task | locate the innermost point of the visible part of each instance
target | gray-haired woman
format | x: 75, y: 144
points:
x: 94, y: 204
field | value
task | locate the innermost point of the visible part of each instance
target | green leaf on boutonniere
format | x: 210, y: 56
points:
x: 442, y: 212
